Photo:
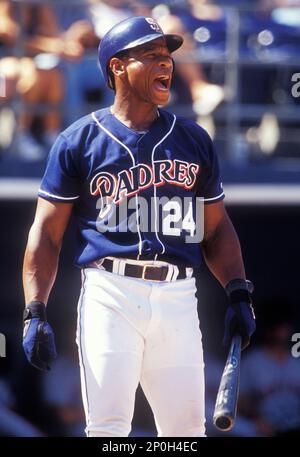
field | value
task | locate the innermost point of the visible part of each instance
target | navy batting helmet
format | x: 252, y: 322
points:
x: 128, y: 34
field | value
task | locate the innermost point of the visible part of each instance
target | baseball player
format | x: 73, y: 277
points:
x: 135, y: 176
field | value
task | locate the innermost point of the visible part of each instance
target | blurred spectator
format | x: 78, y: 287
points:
x: 204, y: 95
x: 9, y: 28
x: 270, y: 381
x: 86, y: 84
x: 33, y: 30
x: 106, y: 13
x: 86, y: 22
x: 267, y: 39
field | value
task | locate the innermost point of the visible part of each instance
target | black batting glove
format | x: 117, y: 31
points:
x: 239, y: 317
x: 38, y: 336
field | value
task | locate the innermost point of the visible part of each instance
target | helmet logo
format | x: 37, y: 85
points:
x: 153, y: 24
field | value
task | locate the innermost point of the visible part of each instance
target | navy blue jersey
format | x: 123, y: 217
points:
x: 134, y: 193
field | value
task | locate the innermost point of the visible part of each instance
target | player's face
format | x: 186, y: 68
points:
x: 149, y: 72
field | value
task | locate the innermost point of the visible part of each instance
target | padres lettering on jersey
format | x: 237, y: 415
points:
x: 141, y: 176
x: 102, y: 166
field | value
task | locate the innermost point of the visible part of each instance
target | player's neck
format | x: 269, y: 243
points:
x: 135, y: 116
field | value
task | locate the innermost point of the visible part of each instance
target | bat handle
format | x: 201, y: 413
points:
x: 235, y: 344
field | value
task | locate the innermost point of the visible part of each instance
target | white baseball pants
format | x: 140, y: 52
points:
x: 130, y: 331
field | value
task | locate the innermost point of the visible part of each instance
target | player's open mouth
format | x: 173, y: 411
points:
x: 162, y: 83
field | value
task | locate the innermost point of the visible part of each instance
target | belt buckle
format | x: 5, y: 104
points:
x: 144, y: 271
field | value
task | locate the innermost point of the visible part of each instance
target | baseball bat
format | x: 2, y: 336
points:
x: 226, y: 402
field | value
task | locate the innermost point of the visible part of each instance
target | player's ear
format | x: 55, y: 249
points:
x: 117, y: 66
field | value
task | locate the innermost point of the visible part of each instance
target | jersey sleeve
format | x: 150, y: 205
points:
x: 61, y: 180
x: 210, y: 184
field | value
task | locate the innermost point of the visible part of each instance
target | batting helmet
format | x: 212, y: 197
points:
x: 128, y: 34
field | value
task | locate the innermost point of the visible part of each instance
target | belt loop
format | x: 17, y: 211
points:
x: 170, y: 273
x: 116, y: 265
x: 122, y: 265
x: 189, y: 272
x: 176, y: 273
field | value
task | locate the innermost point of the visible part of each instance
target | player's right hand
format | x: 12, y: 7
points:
x: 239, y: 317
x: 38, y: 336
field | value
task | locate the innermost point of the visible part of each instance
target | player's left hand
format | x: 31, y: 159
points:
x: 239, y: 317
x: 38, y: 337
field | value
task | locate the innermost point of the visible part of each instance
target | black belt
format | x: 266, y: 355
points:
x: 147, y: 272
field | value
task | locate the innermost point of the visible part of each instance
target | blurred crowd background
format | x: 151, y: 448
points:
x: 238, y: 76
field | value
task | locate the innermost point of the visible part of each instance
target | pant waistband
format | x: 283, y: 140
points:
x: 143, y: 270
